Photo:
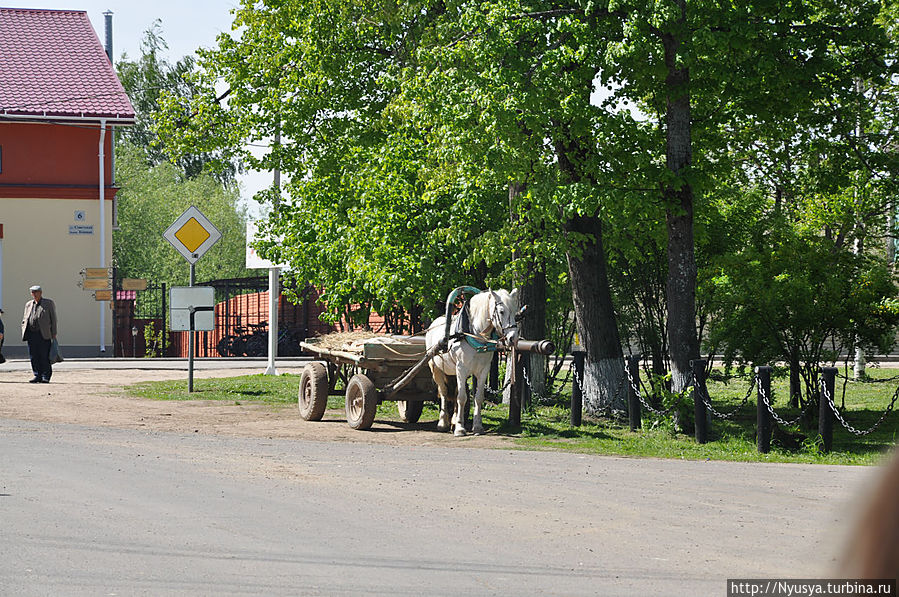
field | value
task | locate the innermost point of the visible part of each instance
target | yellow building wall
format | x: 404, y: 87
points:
x: 38, y: 248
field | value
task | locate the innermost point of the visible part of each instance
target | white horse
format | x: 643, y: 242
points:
x: 489, y: 311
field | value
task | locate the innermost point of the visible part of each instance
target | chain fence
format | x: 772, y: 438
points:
x: 867, y: 379
x: 707, y: 400
x: 768, y: 400
x: 637, y: 391
x: 640, y: 390
x: 540, y: 397
x: 825, y: 392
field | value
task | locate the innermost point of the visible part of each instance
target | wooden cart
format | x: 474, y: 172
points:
x: 382, y: 370
x: 386, y: 368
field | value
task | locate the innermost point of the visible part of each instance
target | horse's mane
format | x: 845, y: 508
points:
x: 479, y: 307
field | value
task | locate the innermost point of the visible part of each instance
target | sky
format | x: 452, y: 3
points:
x: 185, y: 24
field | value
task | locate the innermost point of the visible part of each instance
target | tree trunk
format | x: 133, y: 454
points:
x: 533, y: 326
x: 603, y: 384
x: 533, y: 294
x: 681, y: 285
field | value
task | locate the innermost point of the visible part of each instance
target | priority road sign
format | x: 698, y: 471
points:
x: 192, y: 234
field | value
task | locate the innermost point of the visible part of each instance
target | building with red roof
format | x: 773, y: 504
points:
x: 60, y: 101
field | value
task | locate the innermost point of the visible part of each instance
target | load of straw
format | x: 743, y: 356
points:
x: 353, y: 341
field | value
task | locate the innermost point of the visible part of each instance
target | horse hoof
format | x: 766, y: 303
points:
x: 478, y: 431
x: 442, y: 427
x: 459, y: 432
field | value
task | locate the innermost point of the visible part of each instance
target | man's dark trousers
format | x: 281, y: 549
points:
x: 39, y: 349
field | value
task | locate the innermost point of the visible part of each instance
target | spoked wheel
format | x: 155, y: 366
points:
x: 361, y: 402
x: 313, y: 394
x: 410, y: 411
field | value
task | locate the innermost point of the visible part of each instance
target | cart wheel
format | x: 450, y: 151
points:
x: 361, y: 402
x: 410, y: 411
x: 313, y: 394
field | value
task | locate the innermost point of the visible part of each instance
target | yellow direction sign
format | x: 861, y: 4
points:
x: 96, y: 272
x: 134, y: 284
x: 96, y: 284
x: 192, y: 234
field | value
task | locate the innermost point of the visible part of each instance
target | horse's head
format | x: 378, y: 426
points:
x: 504, y: 308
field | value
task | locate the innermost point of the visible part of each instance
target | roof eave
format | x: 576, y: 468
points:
x: 110, y: 119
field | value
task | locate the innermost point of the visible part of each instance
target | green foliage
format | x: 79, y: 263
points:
x: 789, y: 296
x: 154, y: 191
x: 144, y: 80
x: 153, y: 340
x: 402, y: 126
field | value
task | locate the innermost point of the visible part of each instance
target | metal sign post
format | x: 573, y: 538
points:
x: 191, y: 310
x: 192, y: 234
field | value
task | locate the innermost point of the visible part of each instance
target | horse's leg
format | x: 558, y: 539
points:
x: 481, y: 380
x: 443, y: 423
x: 461, y: 399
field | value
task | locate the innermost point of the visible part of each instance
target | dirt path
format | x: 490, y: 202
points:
x: 97, y: 397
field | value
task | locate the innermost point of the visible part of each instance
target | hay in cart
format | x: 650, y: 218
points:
x: 369, y: 344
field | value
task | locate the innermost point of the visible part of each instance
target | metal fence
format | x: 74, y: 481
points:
x: 241, y: 321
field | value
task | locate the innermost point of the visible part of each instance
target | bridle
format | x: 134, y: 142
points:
x: 496, y: 320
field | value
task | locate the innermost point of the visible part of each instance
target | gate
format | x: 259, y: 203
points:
x: 139, y: 320
x: 241, y: 321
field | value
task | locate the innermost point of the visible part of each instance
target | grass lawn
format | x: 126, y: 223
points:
x: 548, y: 426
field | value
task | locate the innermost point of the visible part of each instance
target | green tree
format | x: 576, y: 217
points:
x: 155, y: 191
x: 404, y: 125
x: 798, y: 298
x: 144, y: 80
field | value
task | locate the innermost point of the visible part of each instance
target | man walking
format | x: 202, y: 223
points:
x: 39, y: 330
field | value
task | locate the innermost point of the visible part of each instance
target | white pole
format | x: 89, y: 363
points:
x: 274, y: 291
x: 102, y: 155
x: 273, y: 294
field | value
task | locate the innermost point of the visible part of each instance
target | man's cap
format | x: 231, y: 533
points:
x: 35, y: 288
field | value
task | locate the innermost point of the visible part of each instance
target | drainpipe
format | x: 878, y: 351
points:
x: 102, y: 156
x: 108, y: 30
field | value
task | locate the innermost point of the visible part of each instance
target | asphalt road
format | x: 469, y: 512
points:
x: 99, y: 511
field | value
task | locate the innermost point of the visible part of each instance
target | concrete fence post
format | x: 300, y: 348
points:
x: 700, y: 413
x: 577, y: 392
x: 825, y: 414
x: 763, y: 415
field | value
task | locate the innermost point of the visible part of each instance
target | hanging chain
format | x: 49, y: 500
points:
x: 580, y: 383
x: 707, y: 400
x: 639, y: 394
x: 774, y: 415
x: 540, y: 397
x: 868, y: 379
x: 845, y: 423
x: 498, y: 392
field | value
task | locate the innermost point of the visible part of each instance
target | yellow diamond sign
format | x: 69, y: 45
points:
x: 192, y: 234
